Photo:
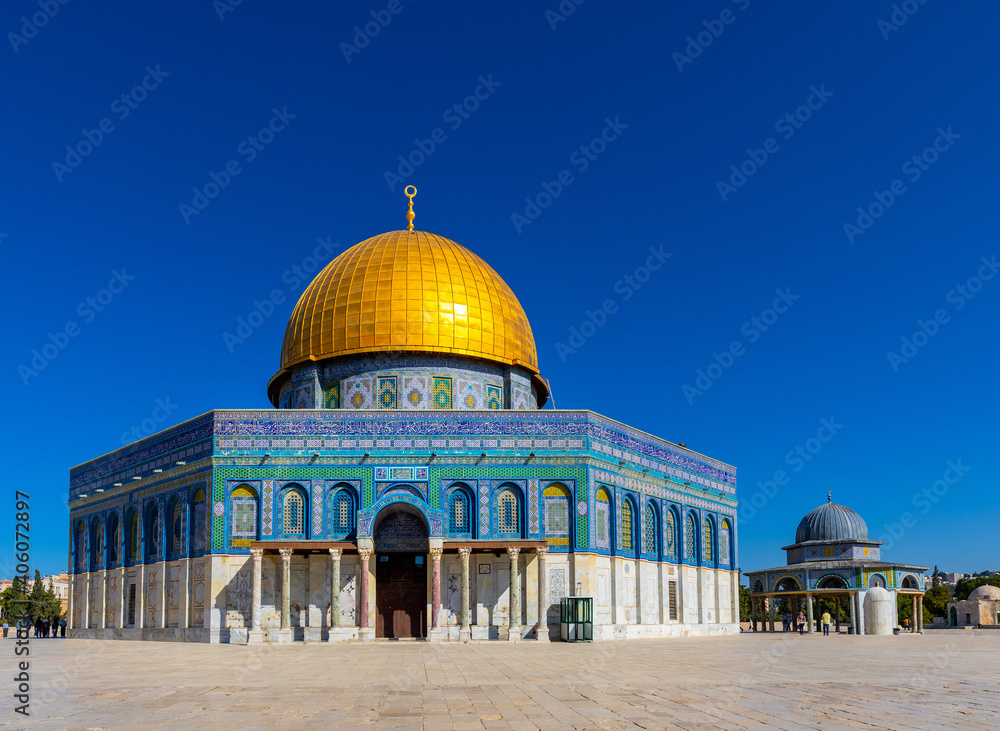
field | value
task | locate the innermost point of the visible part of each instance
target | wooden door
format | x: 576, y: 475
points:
x: 401, y: 595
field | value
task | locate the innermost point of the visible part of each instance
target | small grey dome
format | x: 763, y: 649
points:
x: 832, y: 522
x: 985, y: 592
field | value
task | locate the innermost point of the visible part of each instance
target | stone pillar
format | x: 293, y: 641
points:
x: 809, y: 614
x: 71, y: 600
x: 183, y: 601
x: 140, y: 596
x: 464, y: 627
x: 542, y: 626
x: 514, y: 610
x: 161, y: 607
x: 102, y: 622
x: 255, y: 636
x: 770, y: 613
x: 437, y: 632
x: 753, y: 614
x: 85, y: 613
x: 335, y: 556
x: 122, y: 597
x: 854, y: 616
x: 920, y: 614
x: 913, y: 613
x: 285, y: 633
x: 365, y: 632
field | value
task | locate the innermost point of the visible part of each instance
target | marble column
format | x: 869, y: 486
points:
x: 335, y: 556
x: 102, y: 621
x: 436, y: 633
x: 464, y: 628
x: 514, y: 609
x: 161, y: 608
x: 542, y: 627
x: 122, y: 597
x: 809, y: 614
x: 183, y: 601
x: 255, y: 636
x: 285, y: 633
x: 913, y: 613
x: 854, y: 617
x: 770, y: 614
x: 85, y: 613
x: 365, y: 632
x: 140, y: 596
x: 920, y: 614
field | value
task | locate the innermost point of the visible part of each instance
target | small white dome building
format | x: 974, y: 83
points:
x: 981, y: 609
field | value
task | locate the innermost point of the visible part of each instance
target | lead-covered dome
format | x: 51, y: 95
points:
x: 985, y: 592
x: 832, y: 522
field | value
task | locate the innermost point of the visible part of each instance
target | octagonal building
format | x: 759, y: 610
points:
x: 407, y: 483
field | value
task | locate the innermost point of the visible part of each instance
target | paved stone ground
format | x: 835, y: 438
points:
x: 944, y: 679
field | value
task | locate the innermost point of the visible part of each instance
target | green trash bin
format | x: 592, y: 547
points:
x: 577, y: 619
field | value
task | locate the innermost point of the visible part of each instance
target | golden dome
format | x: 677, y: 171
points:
x: 409, y: 291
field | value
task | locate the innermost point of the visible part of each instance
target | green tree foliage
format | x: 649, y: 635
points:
x: 966, y: 586
x: 12, y: 601
x: 744, y: 604
x: 936, y: 601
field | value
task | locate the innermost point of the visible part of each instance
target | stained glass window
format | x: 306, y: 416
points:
x: 708, y: 555
x: 343, y: 513
x: 458, y: 513
x: 243, y: 513
x: 152, y: 532
x: 649, y: 539
x: 603, y: 505
x: 627, y: 543
x: 671, y: 534
x: 293, y: 513
x: 724, y: 534
x: 199, y: 513
x: 175, y: 524
x: 114, y: 531
x: 690, y: 546
x: 508, y: 520
x: 133, y: 537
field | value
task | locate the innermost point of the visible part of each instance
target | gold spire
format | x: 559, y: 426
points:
x: 829, y: 498
x: 410, y: 215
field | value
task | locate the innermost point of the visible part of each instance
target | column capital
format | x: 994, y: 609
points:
x: 364, y: 552
x: 257, y: 553
x: 512, y: 551
x: 436, y: 553
x: 336, y: 553
x: 541, y: 551
x: 463, y: 554
x: 286, y: 554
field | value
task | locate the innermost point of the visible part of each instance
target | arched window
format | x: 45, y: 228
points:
x: 342, y: 512
x: 671, y: 533
x: 197, y: 529
x: 602, y: 510
x: 114, y: 540
x: 649, y: 537
x: 508, y: 513
x: 132, y: 536
x: 175, y: 537
x: 725, y: 552
x: 708, y: 554
x: 628, y: 544
x: 96, y: 545
x: 459, y: 519
x: 80, y: 543
x: 556, y: 500
x: 293, y: 513
x: 243, y: 513
x: 152, y: 531
x: 690, y: 539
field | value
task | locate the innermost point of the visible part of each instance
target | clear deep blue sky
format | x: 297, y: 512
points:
x: 656, y: 184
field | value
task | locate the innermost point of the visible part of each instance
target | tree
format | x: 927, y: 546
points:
x: 744, y: 604
x: 966, y: 586
x: 13, y: 601
x: 36, y: 599
x: 936, y: 601
x: 936, y: 577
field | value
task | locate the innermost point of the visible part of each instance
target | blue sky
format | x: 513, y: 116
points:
x: 581, y: 143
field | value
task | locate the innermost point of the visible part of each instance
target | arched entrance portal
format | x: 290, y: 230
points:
x: 400, y: 535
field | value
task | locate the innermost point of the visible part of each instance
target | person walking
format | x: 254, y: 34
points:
x: 826, y: 619
x: 801, y: 622
x: 62, y: 628
x: 5, y: 628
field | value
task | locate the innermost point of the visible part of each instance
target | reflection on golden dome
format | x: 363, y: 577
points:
x: 409, y: 291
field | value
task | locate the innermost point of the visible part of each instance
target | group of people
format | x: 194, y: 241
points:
x: 800, y: 623
x: 42, y: 627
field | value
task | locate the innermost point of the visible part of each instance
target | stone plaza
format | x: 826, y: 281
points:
x: 941, y: 679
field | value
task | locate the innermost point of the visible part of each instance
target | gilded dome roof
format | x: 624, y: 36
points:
x: 832, y: 522
x: 409, y: 291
